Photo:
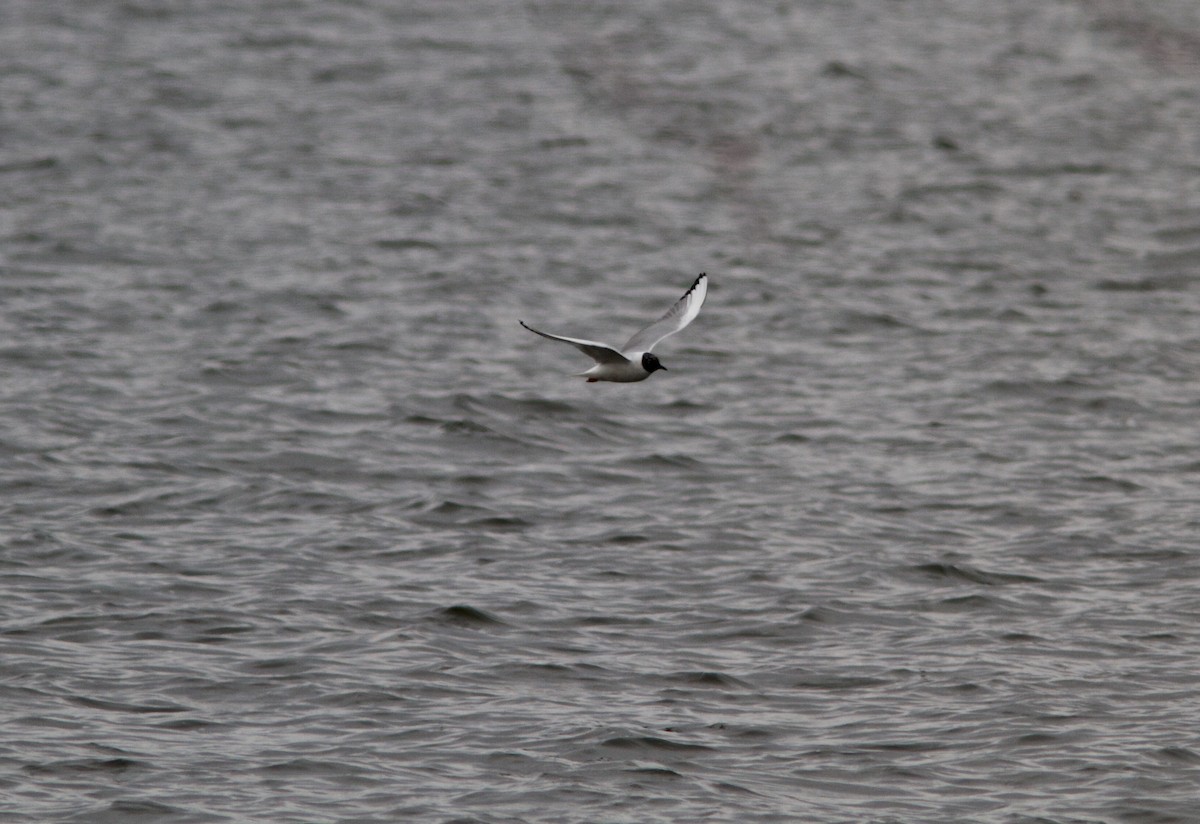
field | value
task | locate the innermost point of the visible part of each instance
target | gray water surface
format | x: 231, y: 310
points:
x: 299, y: 525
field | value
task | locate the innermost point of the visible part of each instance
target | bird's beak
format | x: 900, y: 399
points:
x: 663, y: 368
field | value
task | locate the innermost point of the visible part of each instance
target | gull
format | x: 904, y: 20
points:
x: 634, y: 361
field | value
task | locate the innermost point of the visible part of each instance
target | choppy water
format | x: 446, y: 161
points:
x: 299, y: 525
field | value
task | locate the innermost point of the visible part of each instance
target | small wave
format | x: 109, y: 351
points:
x: 449, y: 512
x: 1153, y: 283
x: 84, y: 765
x: 186, y: 724
x: 469, y: 616
x: 653, y: 772
x: 1042, y: 170
x: 405, y: 244
x: 1110, y: 483
x: 125, y: 811
x: 963, y: 572
x: 717, y: 680
x: 117, y: 706
x: 30, y: 164
x: 1039, y: 388
x: 1188, y: 233
x: 825, y: 615
x: 837, y: 682
x: 663, y: 461
x: 1180, y: 755
x: 962, y: 603
x: 652, y: 742
x: 854, y: 322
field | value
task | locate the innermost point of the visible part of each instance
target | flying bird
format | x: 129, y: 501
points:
x: 634, y: 361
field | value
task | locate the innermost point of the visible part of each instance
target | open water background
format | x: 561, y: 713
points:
x: 298, y: 525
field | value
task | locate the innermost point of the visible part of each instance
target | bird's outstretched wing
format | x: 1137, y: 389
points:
x: 599, y: 352
x: 678, y: 316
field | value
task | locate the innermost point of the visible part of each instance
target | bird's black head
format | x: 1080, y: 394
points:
x: 650, y: 362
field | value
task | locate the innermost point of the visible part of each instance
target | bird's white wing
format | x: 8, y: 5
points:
x: 599, y: 352
x: 678, y: 316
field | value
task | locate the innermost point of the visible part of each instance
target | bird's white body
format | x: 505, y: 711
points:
x: 635, y: 362
x: 628, y: 372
